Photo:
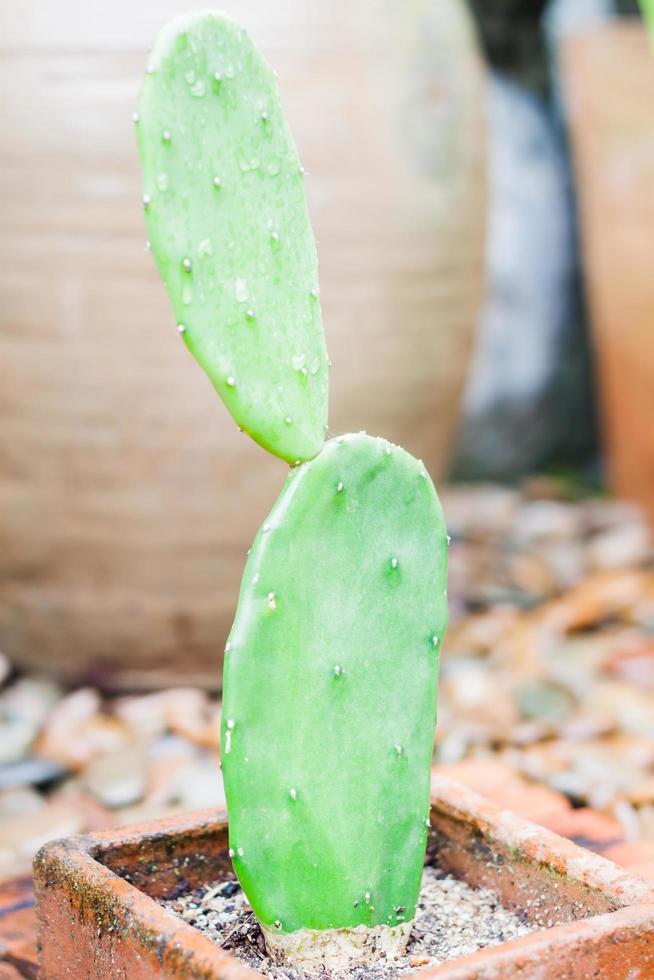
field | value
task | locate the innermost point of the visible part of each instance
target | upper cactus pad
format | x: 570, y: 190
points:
x: 225, y: 207
x: 330, y: 691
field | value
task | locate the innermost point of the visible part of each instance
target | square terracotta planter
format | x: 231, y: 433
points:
x: 99, y: 918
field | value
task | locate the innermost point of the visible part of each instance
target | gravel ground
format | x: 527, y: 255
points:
x: 452, y: 920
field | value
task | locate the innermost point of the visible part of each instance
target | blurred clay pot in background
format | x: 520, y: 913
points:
x: 609, y: 85
x: 128, y: 497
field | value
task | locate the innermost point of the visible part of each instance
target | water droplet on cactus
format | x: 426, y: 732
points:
x: 289, y: 421
x: 248, y: 163
x: 166, y: 136
x: 366, y: 898
x: 228, y: 647
x: 181, y: 328
x: 135, y: 117
x: 186, y: 264
x: 266, y: 528
x: 231, y: 382
x: 399, y: 750
x: 249, y: 314
x: 240, y: 852
x: 232, y: 852
x: 449, y: 539
x: 147, y: 247
x: 265, y: 118
x: 340, y: 486
x: 147, y: 201
x: 293, y: 794
x: 272, y: 601
x: 241, y: 290
x: 298, y: 361
x: 217, y: 183
x: 274, y: 235
x: 277, y: 924
x: 231, y: 724
x: 338, y: 671
x: 255, y: 579
x: 434, y: 640
x: 313, y: 292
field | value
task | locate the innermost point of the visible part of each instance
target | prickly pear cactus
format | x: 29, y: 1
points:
x: 225, y: 207
x: 330, y: 692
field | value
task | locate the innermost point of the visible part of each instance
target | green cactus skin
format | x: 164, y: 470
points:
x: 330, y: 691
x: 225, y: 208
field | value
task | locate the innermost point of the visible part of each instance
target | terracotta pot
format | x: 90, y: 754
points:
x: 127, y: 496
x: 609, y: 90
x: 98, y: 914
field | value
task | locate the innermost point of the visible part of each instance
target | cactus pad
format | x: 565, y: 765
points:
x: 330, y: 691
x: 225, y: 208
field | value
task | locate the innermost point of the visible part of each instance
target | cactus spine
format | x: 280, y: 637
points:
x: 332, y: 663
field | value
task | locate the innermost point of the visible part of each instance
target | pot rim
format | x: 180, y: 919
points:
x: 629, y: 900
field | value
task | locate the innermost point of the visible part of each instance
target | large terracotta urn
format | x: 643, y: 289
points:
x: 609, y: 86
x: 128, y: 497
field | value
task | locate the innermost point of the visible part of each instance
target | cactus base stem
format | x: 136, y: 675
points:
x: 336, y: 949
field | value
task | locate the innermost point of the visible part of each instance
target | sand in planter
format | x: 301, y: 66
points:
x: 452, y: 919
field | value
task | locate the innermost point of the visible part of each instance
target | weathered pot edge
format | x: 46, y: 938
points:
x: 542, y: 846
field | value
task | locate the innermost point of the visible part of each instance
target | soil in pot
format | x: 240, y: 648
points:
x: 452, y: 919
